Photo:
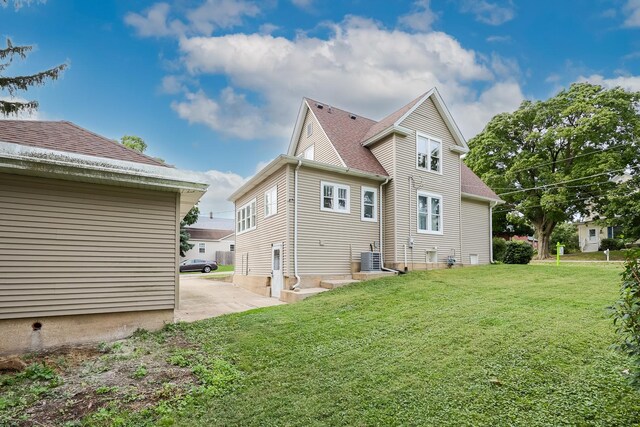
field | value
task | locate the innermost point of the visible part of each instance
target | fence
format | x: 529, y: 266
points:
x: 225, y: 257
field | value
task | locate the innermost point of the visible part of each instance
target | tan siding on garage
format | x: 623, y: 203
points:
x: 323, y: 149
x: 253, y: 248
x: 475, y: 231
x: 77, y: 248
x: 428, y: 120
x: 337, y: 231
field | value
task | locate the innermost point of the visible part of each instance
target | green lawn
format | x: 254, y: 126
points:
x: 221, y: 269
x: 493, y: 345
x: 594, y: 256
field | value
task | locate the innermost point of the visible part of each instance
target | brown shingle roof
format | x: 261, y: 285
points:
x: 472, y: 184
x: 207, y: 234
x: 346, y: 134
x: 69, y: 137
x: 390, y: 119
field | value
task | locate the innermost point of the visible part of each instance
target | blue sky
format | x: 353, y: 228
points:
x: 215, y: 85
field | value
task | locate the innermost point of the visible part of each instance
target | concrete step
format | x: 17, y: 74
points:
x: 332, y: 284
x: 368, y: 275
x: 299, y: 295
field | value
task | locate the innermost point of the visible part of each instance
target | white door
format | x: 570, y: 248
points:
x: 276, y: 270
x: 473, y: 259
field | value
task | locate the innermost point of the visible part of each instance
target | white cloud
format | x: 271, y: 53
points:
x: 342, y: 70
x: 172, y: 85
x: 153, y: 22
x: 488, y: 12
x: 203, y: 20
x: 499, y: 39
x: 421, y: 18
x: 302, y: 4
x: 631, y: 83
x: 213, y: 14
x: 632, y: 12
x: 22, y: 115
x: 221, y: 186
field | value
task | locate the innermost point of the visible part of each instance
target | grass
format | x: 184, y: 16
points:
x: 221, y: 269
x: 593, y: 256
x: 493, y: 345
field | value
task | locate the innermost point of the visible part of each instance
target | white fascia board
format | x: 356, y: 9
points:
x: 482, y: 198
x: 45, y: 162
x: 297, y: 129
x: 283, y: 159
x: 400, y: 130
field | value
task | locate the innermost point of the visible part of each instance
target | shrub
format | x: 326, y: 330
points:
x: 499, y: 248
x: 517, y: 253
x: 567, y: 234
x: 626, y: 315
x: 611, y: 244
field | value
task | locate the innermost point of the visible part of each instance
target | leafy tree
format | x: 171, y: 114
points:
x: 134, y: 142
x: 138, y: 144
x: 505, y: 223
x: 622, y: 208
x: 15, y: 84
x: 550, y: 160
x: 567, y: 234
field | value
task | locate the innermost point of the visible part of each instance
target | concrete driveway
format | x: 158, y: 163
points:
x: 203, y: 298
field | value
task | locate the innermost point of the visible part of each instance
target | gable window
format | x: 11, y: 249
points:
x: 334, y: 197
x: 369, y: 204
x: 202, y: 248
x: 429, y: 213
x: 309, y: 129
x: 246, y: 217
x: 428, y: 153
x: 271, y: 202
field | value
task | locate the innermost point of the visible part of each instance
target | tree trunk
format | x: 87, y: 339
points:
x: 543, y: 244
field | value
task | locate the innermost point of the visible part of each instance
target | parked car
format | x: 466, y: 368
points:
x: 198, y: 265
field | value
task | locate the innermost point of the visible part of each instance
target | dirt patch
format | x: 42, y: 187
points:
x: 132, y: 374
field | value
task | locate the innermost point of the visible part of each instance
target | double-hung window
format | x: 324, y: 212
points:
x: 369, y: 204
x: 429, y: 213
x: 246, y: 217
x: 428, y: 153
x: 334, y: 197
x: 271, y: 202
x: 202, y: 248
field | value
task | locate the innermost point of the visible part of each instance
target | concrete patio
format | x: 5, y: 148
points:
x: 204, y: 298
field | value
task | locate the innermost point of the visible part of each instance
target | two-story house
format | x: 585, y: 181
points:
x: 348, y: 185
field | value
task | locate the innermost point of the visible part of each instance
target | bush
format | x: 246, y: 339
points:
x: 499, y: 248
x: 567, y: 234
x: 626, y: 315
x: 611, y: 244
x: 518, y: 253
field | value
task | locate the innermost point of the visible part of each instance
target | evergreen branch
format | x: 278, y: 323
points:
x: 14, y: 84
x: 10, y: 51
x: 9, y: 108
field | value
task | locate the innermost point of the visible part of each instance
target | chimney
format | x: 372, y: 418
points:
x: 211, y: 215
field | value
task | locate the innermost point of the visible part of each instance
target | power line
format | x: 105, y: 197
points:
x: 539, y: 206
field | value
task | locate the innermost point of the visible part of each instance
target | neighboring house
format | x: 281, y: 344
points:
x: 349, y: 184
x: 89, y: 236
x: 207, y: 242
x: 591, y: 233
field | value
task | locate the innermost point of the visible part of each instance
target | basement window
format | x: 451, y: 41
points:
x: 334, y: 197
x: 246, y: 217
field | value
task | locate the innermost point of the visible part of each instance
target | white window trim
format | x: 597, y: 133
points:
x: 375, y: 204
x: 248, y: 204
x: 309, y: 129
x: 202, y: 245
x: 274, y: 191
x: 335, y: 197
x: 430, y: 196
x: 428, y: 162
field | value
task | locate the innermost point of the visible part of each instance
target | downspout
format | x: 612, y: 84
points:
x: 491, y: 206
x: 382, y: 267
x: 295, y: 227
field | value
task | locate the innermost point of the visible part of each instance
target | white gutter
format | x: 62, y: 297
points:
x: 491, y: 206
x: 295, y: 226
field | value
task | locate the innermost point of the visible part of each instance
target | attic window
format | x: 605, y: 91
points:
x: 309, y: 129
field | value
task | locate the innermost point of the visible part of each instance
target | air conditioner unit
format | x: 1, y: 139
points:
x: 370, y: 261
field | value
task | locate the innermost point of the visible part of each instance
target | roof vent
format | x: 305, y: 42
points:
x: 320, y: 106
x: 352, y: 116
x: 329, y: 110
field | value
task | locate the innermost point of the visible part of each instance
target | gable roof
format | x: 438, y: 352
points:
x: 68, y: 137
x: 208, y: 234
x: 472, y: 185
x: 345, y: 130
x: 391, y: 119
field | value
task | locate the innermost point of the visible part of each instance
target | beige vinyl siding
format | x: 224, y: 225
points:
x: 385, y: 153
x: 253, y: 248
x: 427, y: 120
x: 76, y: 248
x: 475, y: 231
x: 323, y: 148
x: 336, y: 231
